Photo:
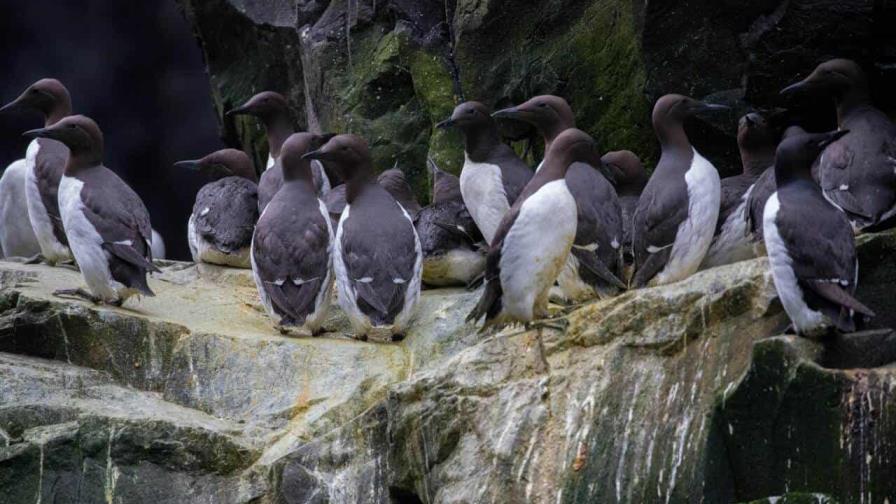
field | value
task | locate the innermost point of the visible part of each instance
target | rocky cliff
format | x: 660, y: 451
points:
x: 682, y: 393
x: 390, y: 69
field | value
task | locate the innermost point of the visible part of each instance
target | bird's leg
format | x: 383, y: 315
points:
x: 398, y: 337
x: 72, y: 265
x: 80, y: 293
x: 476, y: 281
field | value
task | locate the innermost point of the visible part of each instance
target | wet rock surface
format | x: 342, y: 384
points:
x: 679, y: 393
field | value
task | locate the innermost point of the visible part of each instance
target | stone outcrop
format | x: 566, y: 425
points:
x: 679, y: 393
x: 390, y: 69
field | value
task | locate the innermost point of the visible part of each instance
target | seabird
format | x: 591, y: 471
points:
x: 595, y: 265
x: 376, y: 256
x: 677, y: 212
x: 394, y: 181
x: 756, y: 140
x: 630, y: 182
x: 292, y: 246
x: 493, y: 175
x: 811, y: 248
x: 273, y: 111
x: 534, y: 238
x: 106, y: 223
x: 858, y: 172
x: 452, y: 245
x: 45, y: 160
x: 225, y: 211
x: 17, y: 237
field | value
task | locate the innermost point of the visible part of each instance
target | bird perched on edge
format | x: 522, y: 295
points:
x: 219, y: 230
x: 17, y: 237
x: 811, y: 248
x: 630, y: 182
x: 595, y: 265
x: 106, y: 223
x: 394, y: 181
x: 273, y: 111
x: 756, y: 140
x: 857, y: 172
x: 762, y: 189
x: 534, y: 239
x: 377, y: 257
x: 493, y: 176
x: 44, y: 163
x: 292, y: 247
x: 677, y: 212
x: 450, y: 240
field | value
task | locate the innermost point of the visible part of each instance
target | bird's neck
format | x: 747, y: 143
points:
x: 786, y: 177
x: 755, y: 161
x: 61, y: 108
x: 855, y: 98
x: 672, y: 136
x: 479, y: 141
x: 277, y: 130
x: 357, y: 184
x: 82, y: 160
x: 551, y: 131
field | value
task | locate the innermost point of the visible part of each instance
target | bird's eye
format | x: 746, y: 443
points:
x: 345, y: 149
x: 471, y: 111
x: 72, y: 126
x: 32, y: 91
x: 542, y: 104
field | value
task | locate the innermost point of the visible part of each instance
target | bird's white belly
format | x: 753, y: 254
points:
x: 16, y: 235
x: 535, y: 250
x: 805, y: 320
x: 86, y: 244
x: 52, y: 250
x: 157, y: 245
x: 695, y: 233
x: 733, y: 243
x: 482, y: 189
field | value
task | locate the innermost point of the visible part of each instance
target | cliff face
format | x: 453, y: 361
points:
x: 390, y: 69
x: 680, y: 393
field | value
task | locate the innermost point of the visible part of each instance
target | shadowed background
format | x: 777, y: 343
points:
x: 136, y: 69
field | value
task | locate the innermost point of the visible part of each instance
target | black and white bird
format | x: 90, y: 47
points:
x: 630, y: 181
x: 761, y: 191
x: 756, y: 140
x: 677, y: 212
x: 17, y: 237
x: 453, y: 247
x: 106, y: 223
x: 493, y: 176
x: 220, y: 228
x: 857, y: 172
x: 44, y: 162
x: 811, y: 248
x: 292, y: 247
x: 377, y: 256
x: 594, y: 266
x: 534, y: 238
x: 273, y: 111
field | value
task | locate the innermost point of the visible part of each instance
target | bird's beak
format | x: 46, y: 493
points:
x: 711, y: 107
x: 447, y: 123
x: 190, y: 164
x: 243, y: 109
x: 795, y: 88
x: 507, y: 113
x: 13, y: 105
x: 39, y: 133
x: 832, y: 137
x: 315, y: 154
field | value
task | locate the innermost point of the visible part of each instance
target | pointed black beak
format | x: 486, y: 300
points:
x: 39, y: 133
x: 189, y: 164
x: 447, y: 123
x: 798, y: 87
x: 243, y: 109
x: 315, y: 154
x: 832, y: 137
x: 507, y: 113
x: 711, y: 107
x: 13, y: 105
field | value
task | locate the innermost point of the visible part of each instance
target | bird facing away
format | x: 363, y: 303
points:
x: 493, y: 175
x: 292, y: 247
x: 44, y: 163
x: 534, y: 238
x: 595, y: 265
x: 810, y: 243
x: 272, y: 110
x: 106, y: 223
x: 677, y: 212
x: 756, y: 139
x: 220, y: 227
x: 377, y: 257
x: 452, y: 246
x: 630, y: 182
x: 394, y: 181
x: 857, y: 173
